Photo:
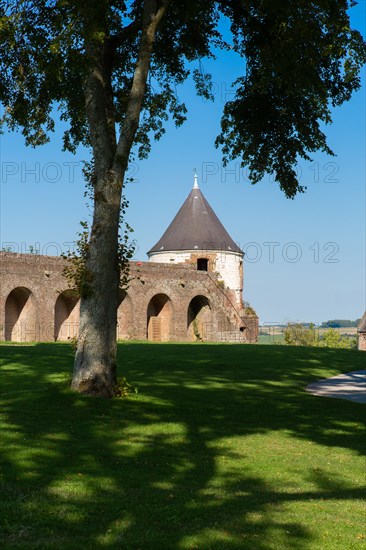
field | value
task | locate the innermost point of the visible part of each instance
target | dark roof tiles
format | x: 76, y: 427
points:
x: 195, y: 227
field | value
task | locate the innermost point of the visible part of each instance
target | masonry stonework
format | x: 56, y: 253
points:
x: 361, y: 332
x: 362, y: 342
x: 163, y: 302
x: 227, y: 265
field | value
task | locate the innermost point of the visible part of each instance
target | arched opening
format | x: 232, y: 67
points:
x: 125, y: 328
x: 159, y: 318
x: 199, y: 318
x: 202, y: 264
x: 66, y: 316
x: 20, y: 316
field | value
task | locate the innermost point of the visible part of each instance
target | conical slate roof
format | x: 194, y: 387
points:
x: 195, y: 227
x: 362, y: 326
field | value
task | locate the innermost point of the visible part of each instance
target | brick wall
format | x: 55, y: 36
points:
x: 362, y: 341
x: 228, y: 265
x: 36, y: 304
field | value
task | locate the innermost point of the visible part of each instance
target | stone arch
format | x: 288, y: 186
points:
x: 20, y: 315
x: 66, y: 316
x: 199, y: 318
x: 125, y: 327
x: 159, y: 318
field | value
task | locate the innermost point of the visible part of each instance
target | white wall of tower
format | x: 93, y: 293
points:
x: 178, y: 257
x: 229, y: 266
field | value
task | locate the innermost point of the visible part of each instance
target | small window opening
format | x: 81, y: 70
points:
x: 202, y: 264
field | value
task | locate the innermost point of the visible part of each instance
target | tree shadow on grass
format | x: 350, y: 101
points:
x: 159, y: 471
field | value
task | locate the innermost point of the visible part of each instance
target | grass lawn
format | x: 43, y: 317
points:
x: 221, y: 449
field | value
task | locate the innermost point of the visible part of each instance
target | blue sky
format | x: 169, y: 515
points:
x: 305, y: 258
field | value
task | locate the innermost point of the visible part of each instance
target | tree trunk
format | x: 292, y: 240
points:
x: 95, y: 360
x: 95, y: 364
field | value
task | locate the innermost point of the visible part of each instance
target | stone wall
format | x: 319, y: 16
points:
x: 228, y: 265
x: 163, y: 302
x: 362, y: 341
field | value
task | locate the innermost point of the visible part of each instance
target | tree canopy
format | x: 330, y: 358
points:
x: 301, y: 58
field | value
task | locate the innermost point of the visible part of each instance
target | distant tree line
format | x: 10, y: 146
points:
x: 340, y: 323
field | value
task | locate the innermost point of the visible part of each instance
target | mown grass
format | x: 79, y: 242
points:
x: 222, y: 448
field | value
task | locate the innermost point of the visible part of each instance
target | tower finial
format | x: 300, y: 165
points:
x: 195, y: 185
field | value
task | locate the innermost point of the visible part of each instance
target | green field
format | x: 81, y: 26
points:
x: 266, y: 339
x: 221, y: 449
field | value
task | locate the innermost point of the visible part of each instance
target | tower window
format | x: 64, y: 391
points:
x: 202, y: 264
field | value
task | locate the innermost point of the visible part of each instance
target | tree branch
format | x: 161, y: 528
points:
x: 152, y: 16
x: 117, y: 39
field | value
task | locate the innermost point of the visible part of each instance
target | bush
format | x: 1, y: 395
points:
x: 295, y: 334
x: 332, y: 339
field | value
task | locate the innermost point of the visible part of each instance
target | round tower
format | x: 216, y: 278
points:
x: 197, y: 236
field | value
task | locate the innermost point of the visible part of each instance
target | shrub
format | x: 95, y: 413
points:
x: 332, y: 339
x: 296, y: 334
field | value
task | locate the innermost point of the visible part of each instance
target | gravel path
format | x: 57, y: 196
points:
x: 350, y: 386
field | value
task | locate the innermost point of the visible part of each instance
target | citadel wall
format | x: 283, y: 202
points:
x: 227, y: 265
x: 163, y: 302
x: 362, y: 341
